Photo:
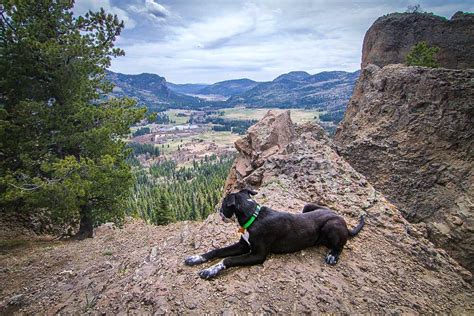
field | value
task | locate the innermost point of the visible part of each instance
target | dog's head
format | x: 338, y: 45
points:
x: 237, y: 204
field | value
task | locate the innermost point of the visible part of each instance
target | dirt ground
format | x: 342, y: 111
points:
x: 139, y: 269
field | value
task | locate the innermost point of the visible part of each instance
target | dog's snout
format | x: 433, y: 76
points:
x: 224, y: 218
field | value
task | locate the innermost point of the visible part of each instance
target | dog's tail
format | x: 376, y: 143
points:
x: 353, y: 232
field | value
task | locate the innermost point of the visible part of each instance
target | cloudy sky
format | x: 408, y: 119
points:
x: 201, y: 41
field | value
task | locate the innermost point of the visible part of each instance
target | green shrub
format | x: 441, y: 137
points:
x: 423, y: 55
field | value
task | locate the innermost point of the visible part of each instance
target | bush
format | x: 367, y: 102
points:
x: 423, y: 55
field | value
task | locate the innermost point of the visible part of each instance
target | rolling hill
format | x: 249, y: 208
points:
x: 187, y: 88
x: 229, y: 88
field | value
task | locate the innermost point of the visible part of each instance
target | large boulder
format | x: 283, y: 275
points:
x: 409, y: 130
x: 392, y: 36
x: 271, y: 135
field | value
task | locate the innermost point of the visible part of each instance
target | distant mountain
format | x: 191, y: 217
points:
x: 292, y: 76
x: 229, y: 87
x: 331, y: 90
x: 297, y: 89
x: 187, y: 88
x: 150, y: 90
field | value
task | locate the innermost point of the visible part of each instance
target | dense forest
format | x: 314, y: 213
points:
x: 221, y: 124
x: 141, y: 131
x: 165, y: 192
x: 144, y: 149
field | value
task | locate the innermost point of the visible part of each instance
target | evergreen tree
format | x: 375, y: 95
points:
x: 163, y: 214
x: 423, y: 55
x: 60, y: 139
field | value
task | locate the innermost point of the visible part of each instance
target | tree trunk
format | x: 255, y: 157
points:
x: 86, y: 226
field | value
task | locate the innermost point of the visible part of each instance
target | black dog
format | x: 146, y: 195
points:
x: 269, y: 231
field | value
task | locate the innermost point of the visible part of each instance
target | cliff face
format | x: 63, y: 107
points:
x: 410, y: 131
x: 390, y: 267
x: 391, y: 37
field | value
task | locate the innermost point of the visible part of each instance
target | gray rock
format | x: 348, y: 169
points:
x: 17, y: 300
x: 392, y: 36
x: 419, y: 112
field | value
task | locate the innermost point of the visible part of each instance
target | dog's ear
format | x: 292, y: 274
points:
x: 230, y: 200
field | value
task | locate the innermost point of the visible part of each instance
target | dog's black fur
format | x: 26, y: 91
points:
x: 276, y: 232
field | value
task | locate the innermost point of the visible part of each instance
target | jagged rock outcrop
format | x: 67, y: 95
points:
x: 388, y: 268
x: 392, y: 36
x: 270, y: 137
x: 410, y: 131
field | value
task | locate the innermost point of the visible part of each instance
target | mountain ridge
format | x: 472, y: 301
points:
x: 149, y: 90
x: 329, y: 89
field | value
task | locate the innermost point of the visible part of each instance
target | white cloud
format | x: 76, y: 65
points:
x: 254, y: 42
x: 83, y: 6
x: 156, y: 9
x: 213, y: 40
x: 151, y: 10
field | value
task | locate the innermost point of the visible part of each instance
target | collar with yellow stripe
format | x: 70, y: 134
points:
x: 251, y: 220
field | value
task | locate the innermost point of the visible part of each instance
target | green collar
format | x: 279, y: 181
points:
x: 252, y: 218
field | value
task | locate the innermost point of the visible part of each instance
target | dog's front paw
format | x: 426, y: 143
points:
x: 211, y: 271
x: 331, y: 259
x: 194, y: 260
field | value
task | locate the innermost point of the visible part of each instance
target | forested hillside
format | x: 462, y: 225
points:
x: 150, y: 90
x: 164, y: 192
x: 229, y: 87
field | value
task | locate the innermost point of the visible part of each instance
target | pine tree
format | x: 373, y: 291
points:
x: 60, y: 144
x: 163, y: 213
x: 423, y: 55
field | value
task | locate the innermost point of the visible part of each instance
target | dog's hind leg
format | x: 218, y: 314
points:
x: 233, y: 250
x: 335, y: 237
x: 311, y: 207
